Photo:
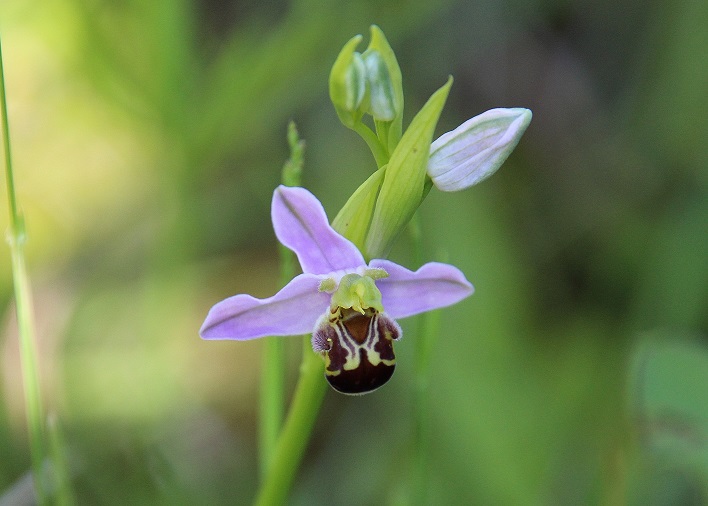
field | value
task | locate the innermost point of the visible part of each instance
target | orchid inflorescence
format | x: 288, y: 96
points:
x: 348, y: 295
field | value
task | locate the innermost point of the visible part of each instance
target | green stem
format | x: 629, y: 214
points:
x: 30, y: 370
x: 423, y: 345
x: 273, y: 378
x: 272, y: 402
x: 23, y: 303
x: 416, y: 234
x: 272, y: 399
x: 430, y: 323
x: 293, y: 440
x: 382, y: 131
x: 64, y: 495
x: 9, y: 178
x: 272, y: 405
x: 377, y: 149
x: 286, y: 452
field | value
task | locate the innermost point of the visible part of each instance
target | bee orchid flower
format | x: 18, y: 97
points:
x: 349, y: 306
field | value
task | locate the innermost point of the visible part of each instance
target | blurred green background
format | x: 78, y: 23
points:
x: 147, y: 140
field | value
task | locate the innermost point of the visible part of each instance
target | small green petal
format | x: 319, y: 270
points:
x: 328, y: 285
x: 376, y: 273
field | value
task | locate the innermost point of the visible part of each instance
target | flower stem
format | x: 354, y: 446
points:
x: 272, y: 399
x: 377, y: 148
x: 23, y: 303
x: 430, y: 323
x: 293, y: 440
x: 423, y: 345
x: 272, y: 402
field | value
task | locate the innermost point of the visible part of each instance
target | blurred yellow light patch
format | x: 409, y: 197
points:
x: 81, y: 162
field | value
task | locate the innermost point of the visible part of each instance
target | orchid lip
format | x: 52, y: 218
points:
x: 357, y: 348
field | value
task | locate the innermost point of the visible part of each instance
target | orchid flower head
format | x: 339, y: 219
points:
x: 349, y: 306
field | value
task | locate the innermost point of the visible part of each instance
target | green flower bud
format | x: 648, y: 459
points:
x: 386, y: 85
x: 348, y: 87
x: 382, y: 104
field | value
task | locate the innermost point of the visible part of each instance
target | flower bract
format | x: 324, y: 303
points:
x: 350, y: 306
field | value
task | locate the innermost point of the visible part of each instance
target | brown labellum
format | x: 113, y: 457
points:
x: 358, y: 349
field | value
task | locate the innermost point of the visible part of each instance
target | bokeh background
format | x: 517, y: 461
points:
x: 147, y: 139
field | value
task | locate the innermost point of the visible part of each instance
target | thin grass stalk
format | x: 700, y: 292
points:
x: 23, y: 306
x: 63, y: 492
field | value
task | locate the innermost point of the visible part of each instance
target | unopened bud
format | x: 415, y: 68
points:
x: 476, y: 149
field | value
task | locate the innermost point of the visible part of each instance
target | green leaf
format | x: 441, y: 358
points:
x: 354, y: 218
x: 403, y: 187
